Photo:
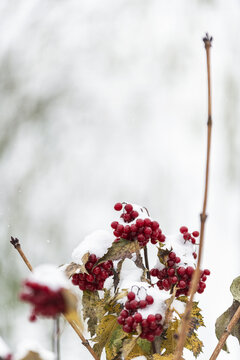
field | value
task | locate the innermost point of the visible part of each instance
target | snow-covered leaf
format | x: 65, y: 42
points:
x: 32, y: 355
x: 119, y: 250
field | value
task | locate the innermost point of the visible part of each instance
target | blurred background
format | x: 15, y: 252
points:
x: 106, y: 101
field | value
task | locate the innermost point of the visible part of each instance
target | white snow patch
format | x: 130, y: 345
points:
x: 97, y: 243
x: 183, y: 249
x: 26, y: 346
x: 50, y: 276
x: 4, y: 349
x: 129, y: 273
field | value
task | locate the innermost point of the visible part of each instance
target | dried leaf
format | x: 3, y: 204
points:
x: 119, y: 250
x: 32, y: 355
x: 163, y: 255
x: 235, y: 289
x: 73, y: 268
x: 104, y: 333
x: 223, y: 321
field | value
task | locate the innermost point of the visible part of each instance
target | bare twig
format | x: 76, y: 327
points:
x: 196, y: 276
x: 226, y: 333
x: 15, y: 242
x: 56, y: 337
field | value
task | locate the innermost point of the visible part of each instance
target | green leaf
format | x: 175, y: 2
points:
x: 145, y: 345
x: 119, y: 250
x: 223, y: 321
x: 114, y: 345
x: 235, y: 289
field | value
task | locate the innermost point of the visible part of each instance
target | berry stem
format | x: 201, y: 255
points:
x: 226, y: 333
x: 15, y: 242
x: 146, y: 262
x: 196, y: 276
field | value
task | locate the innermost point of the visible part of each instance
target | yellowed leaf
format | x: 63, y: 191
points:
x: 119, y: 250
x: 104, y: 331
x: 164, y: 357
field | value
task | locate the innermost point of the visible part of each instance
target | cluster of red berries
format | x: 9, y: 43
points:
x: 46, y: 302
x: 129, y: 318
x: 141, y: 230
x: 96, y: 276
x: 187, y: 236
x: 178, y: 275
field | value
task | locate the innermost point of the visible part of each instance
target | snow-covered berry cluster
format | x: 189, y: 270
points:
x: 130, y: 318
x: 135, y: 227
x: 45, y: 301
x: 96, y: 276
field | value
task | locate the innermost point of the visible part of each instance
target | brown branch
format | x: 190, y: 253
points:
x: 226, y: 333
x: 15, y: 242
x: 196, y: 276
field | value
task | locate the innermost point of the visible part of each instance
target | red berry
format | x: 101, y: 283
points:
x: 195, y: 255
x: 162, y: 238
x: 134, y: 304
x: 153, y: 325
x: 171, y: 272
x: 114, y: 225
x: 172, y: 255
x: 118, y: 206
x: 92, y: 258
x: 128, y: 208
x: 158, y: 317
x: 181, y: 271
x: 155, y: 225
x: 183, y: 229
x: 129, y: 321
x: 186, y: 236
x: 195, y: 233
x: 127, y: 305
x: 206, y: 272
x: 158, y: 331
x: 182, y: 284
x: 144, y: 323
x: 120, y: 228
x: 120, y: 320
x: 149, y: 299
x: 131, y: 295
x: 177, y: 260
x: 96, y: 270
x: 174, y: 280
x: 138, y: 317
x: 147, y: 222
x: 204, y: 278
x: 193, y: 241
x: 148, y: 230
x: 127, y: 328
x: 189, y: 270
x: 151, y: 318
x: 142, y: 304
x: 124, y: 314
x: 154, y: 272
x: 150, y: 337
x: 139, y: 223
x: 33, y: 318
x: 134, y: 214
x: 90, y: 278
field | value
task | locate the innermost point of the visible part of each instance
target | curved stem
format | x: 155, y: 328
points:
x: 196, y: 276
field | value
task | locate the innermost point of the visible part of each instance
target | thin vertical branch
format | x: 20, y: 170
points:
x: 196, y: 276
x: 15, y: 242
x: 226, y: 333
x: 56, y: 337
